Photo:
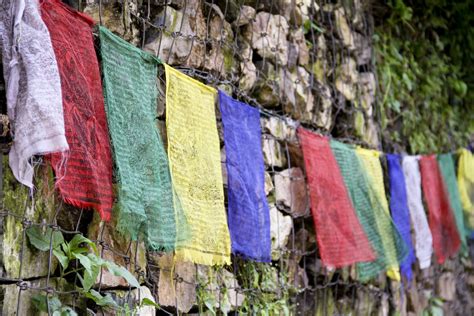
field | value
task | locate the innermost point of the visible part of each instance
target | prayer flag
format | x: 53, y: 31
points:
x: 248, y: 212
x: 195, y: 165
x: 446, y: 165
x: 85, y: 178
x: 446, y: 240
x: 33, y: 87
x: 399, y: 210
x: 466, y: 188
x: 423, y: 237
x: 145, y: 192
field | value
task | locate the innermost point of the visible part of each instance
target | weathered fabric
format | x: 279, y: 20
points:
x: 423, y: 237
x: 85, y: 179
x: 341, y: 237
x: 248, y: 211
x: 376, y: 222
x: 145, y: 192
x: 466, y: 188
x: 446, y: 240
x: 33, y: 87
x: 399, y: 210
x: 446, y: 166
x: 393, y: 244
x: 194, y: 158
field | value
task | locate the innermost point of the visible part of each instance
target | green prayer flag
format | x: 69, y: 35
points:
x: 446, y: 164
x: 146, y: 199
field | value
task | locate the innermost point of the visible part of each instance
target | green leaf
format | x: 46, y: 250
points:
x: 314, y: 26
x: 91, y: 272
x: 395, y: 105
x: 100, y: 300
x: 62, y: 258
x: 407, y: 81
x: 437, y: 311
x: 306, y: 26
x: 68, y: 311
x: 225, y: 305
x: 90, y: 277
x: 66, y: 249
x: 41, y: 240
x: 41, y: 302
x: 77, y: 240
x: 148, y: 302
x: 210, y: 303
x: 122, y: 272
x: 437, y: 301
x: 85, y: 261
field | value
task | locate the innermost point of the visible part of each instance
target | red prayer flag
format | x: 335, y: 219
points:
x: 84, y: 178
x: 341, y: 238
x: 446, y: 240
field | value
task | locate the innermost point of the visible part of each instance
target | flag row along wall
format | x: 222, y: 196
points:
x: 101, y: 133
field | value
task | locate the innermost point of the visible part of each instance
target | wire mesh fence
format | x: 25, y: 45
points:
x: 300, y: 62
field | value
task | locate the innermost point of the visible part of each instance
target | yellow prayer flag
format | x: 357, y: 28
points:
x: 466, y: 186
x: 195, y: 166
x: 371, y: 162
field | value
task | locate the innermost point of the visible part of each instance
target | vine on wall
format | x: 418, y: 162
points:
x: 424, y: 64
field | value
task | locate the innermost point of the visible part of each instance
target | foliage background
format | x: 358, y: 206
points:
x: 424, y: 64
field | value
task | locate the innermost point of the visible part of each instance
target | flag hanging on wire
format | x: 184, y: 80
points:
x: 248, y: 212
x: 466, y: 188
x: 84, y: 179
x: 423, y: 237
x: 145, y: 191
x: 399, y: 210
x: 448, y: 172
x: 195, y: 165
x: 446, y: 240
x: 33, y: 87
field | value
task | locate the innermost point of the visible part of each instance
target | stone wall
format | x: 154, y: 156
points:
x: 301, y: 62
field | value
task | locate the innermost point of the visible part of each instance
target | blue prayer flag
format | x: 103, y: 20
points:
x: 248, y: 211
x: 400, y: 212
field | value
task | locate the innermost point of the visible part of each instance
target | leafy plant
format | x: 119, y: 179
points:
x: 435, y: 307
x: 56, y: 308
x: 309, y: 25
x: 423, y: 61
x: 269, y: 290
x: 87, y: 266
x: 205, y: 293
